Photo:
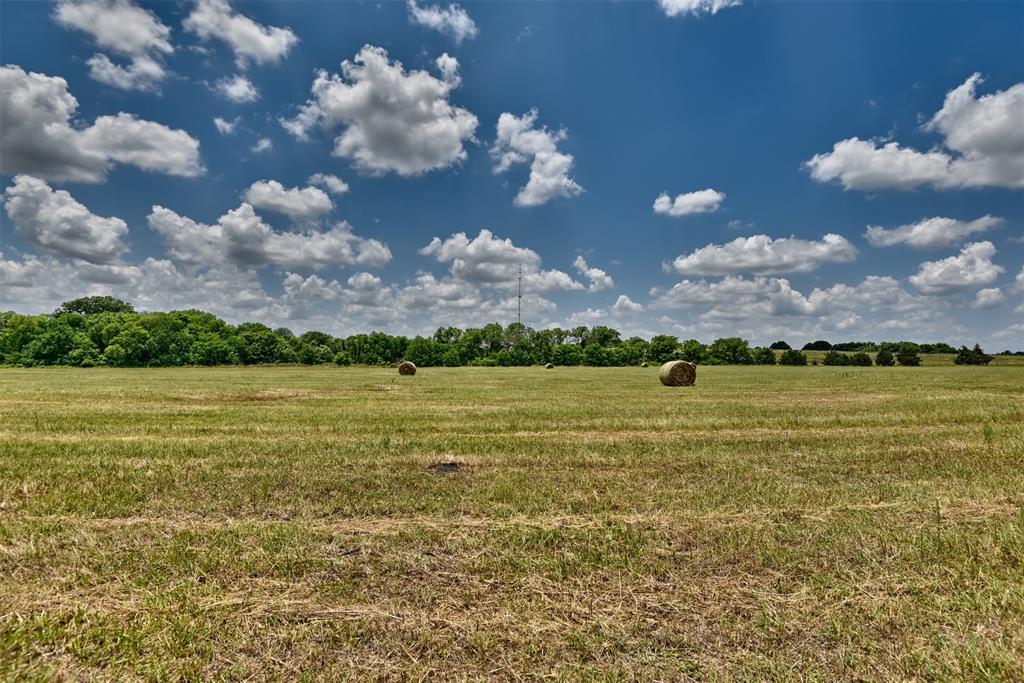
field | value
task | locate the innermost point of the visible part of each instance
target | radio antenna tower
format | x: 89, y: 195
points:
x: 519, y: 297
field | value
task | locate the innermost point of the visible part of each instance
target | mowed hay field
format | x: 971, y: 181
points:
x: 768, y: 523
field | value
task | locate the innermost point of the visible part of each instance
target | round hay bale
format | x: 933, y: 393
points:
x: 644, y: 365
x: 550, y: 366
x: 406, y: 368
x: 678, y: 373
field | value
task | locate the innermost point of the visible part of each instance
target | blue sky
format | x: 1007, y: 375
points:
x: 830, y: 170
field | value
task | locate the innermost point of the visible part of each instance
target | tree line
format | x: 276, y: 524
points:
x: 104, y: 331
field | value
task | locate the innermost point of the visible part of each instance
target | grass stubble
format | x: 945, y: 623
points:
x: 475, y: 523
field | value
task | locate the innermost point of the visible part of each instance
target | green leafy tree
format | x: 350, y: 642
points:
x: 908, y: 356
x: 819, y: 345
x: 792, y: 357
x: 663, y: 348
x: 693, y: 351
x: 884, y: 358
x: 730, y: 351
x: 763, y: 356
x: 780, y: 346
x: 90, y: 305
x: 861, y: 359
x: 835, y: 358
x: 975, y: 356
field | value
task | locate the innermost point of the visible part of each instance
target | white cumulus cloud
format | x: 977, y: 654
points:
x: 125, y: 29
x: 238, y: 88
x: 333, y: 183
x: 983, y: 146
x: 452, y: 20
x: 225, y: 127
x: 519, y: 141
x: 599, y: 279
x: 760, y: 254
x: 989, y: 297
x: 57, y: 223
x: 930, y: 233
x: 392, y: 120
x: 37, y: 137
x: 304, y: 203
x: 701, y: 201
x: 674, y: 8
x: 971, y: 269
x: 249, y: 40
x: 240, y: 236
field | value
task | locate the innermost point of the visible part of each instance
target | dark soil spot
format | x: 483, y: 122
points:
x: 445, y: 467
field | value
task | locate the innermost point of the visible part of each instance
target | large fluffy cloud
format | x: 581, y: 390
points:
x: 37, y: 137
x: 240, y: 236
x: 452, y: 20
x: 760, y: 254
x: 971, y: 269
x: 701, y: 201
x: 393, y: 120
x: 54, y: 221
x: 674, y: 8
x: 250, y: 41
x: 930, y: 233
x: 492, y: 261
x: 124, y: 29
x: 519, y: 141
x: 983, y: 147
x: 299, y: 203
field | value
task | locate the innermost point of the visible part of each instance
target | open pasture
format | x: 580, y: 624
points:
x: 768, y: 523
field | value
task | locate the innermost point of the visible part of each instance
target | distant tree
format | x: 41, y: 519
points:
x: 792, y: 357
x: 819, y: 345
x: 693, y: 351
x: 763, y: 356
x: 603, y: 336
x: 90, y: 305
x: 780, y: 346
x: 908, y: 356
x: 835, y: 358
x: 663, y: 348
x: 342, y: 358
x: 973, y: 356
x: 730, y: 351
x: 938, y: 347
x: 884, y: 358
x: 861, y: 359
x: 566, y: 354
x: 447, y: 335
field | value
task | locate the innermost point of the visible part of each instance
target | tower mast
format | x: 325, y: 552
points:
x: 519, y: 297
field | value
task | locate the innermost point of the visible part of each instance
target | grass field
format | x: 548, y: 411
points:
x: 768, y: 523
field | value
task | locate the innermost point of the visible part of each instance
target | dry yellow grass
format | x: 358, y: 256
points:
x: 327, y: 523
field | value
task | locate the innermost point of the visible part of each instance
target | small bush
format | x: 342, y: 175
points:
x: 860, y: 358
x: 763, y: 356
x: 792, y: 357
x: 884, y: 358
x: 835, y: 358
x: 973, y: 356
x: 908, y: 357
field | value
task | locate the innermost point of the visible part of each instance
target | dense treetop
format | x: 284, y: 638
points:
x: 93, y: 331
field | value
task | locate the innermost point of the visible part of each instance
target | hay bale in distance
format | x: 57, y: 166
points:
x: 678, y: 373
x: 549, y: 366
x: 406, y: 368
